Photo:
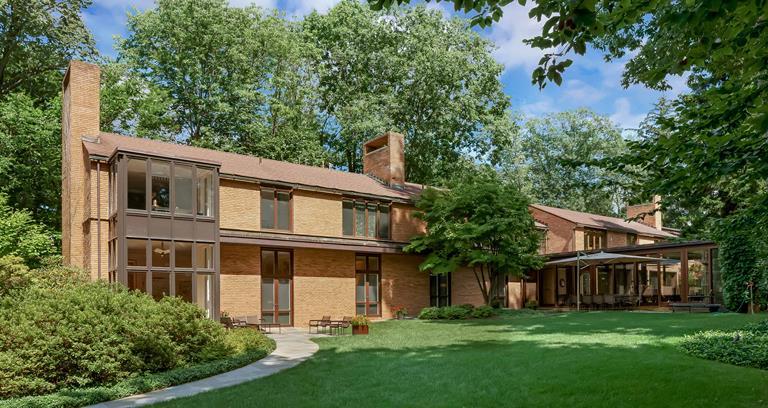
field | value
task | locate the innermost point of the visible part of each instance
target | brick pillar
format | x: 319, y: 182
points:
x: 79, y: 117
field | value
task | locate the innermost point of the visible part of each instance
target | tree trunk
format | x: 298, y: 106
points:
x: 481, y: 283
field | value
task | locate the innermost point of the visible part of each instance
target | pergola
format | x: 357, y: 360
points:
x: 582, y: 261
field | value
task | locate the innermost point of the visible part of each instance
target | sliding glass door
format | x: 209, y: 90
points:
x: 277, y: 286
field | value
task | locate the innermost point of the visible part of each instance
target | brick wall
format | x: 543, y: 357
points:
x: 402, y: 284
x: 464, y: 288
x: 240, y: 285
x: 404, y: 224
x: 324, y: 284
x: 616, y: 239
x: 80, y: 117
x: 317, y: 214
x: 239, y: 205
x: 387, y: 161
x: 559, y: 233
x: 99, y: 214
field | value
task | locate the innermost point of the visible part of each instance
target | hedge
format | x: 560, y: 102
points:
x: 461, y: 312
x: 145, y: 383
x: 746, y: 347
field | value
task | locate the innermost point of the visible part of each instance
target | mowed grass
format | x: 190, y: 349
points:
x: 597, y: 359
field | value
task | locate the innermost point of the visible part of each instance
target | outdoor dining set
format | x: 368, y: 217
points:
x: 330, y: 326
x: 605, y: 302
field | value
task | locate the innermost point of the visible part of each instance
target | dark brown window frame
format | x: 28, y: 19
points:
x: 434, y: 301
x: 275, y: 191
x: 365, y: 274
x: 631, y: 238
x: 275, y: 276
x: 366, y: 203
x: 595, y: 233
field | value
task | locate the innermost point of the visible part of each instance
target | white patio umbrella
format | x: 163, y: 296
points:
x: 603, y: 258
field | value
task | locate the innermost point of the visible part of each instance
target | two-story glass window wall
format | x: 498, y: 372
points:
x: 163, y: 228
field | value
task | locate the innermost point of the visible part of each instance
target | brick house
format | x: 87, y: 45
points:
x: 252, y: 236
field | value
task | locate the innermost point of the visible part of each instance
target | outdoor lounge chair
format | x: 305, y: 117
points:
x: 586, y: 301
x: 609, y: 301
x: 345, y: 323
x: 597, y: 300
x: 324, y: 323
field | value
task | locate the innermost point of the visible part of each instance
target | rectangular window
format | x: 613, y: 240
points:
x: 161, y: 186
x: 603, y: 279
x: 698, y: 276
x: 137, y: 252
x: 161, y: 285
x: 440, y: 290
x: 204, y: 256
x: 276, y: 287
x: 594, y: 239
x: 137, y: 184
x: 362, y: 219
x: 161, y: 254
x: 184, y: 189
x: 203, y: 293
x: 367, y: 288
x: 204, y: 192
x: 137, y: 281
x: 631, y: 239
x: 183, y: 284
x: 275, y: 209
x: 347, y: 217
x: 183, y: 254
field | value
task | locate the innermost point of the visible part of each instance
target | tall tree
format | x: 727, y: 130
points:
x: 480, y: 222
x: 234, y: 78
x: 412, y: 71
x: 554, y: 160
x: 30, y: 156
x: 21, y: 236
x: 39, y: 37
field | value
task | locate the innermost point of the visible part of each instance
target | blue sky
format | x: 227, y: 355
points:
x: 589, y: 82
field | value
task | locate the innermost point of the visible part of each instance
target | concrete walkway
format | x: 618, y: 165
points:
x: 293, y: 347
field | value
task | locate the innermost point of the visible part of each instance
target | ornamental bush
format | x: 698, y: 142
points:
x: 747, y: 347
x: 460, y: 312
x: 83, y: 334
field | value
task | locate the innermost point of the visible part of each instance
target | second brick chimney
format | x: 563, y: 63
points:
x: 647, y: 213
x: 384, y: 159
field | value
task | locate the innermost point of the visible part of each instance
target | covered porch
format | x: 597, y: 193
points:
x: 676, y: 272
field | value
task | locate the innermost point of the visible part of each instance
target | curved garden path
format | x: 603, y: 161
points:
x: 293, y: 347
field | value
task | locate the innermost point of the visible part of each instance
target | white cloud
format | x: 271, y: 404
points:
x: 581, y: 93
x: 538, y: 108
x: 623, y: 115
x: 509, y: 33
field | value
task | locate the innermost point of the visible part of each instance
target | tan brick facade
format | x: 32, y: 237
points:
x: 240, y: 285
x: 323, y: 284
x: 405, y: 225
x: 317, y: 214
x: 560, y: 232
x: 240, y: 206
x: 402, y: 284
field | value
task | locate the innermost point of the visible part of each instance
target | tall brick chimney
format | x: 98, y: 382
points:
x: 384, y: 159
x: 79, y: 117
x: 647, y: 213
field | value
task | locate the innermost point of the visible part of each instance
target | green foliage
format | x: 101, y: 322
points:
x: 249, y: 345
x: 553, y: 162
x: 360, y: 320
x: 39, y: 38
x: 744, y: 278
x: 229, y: 78
x: 747, y: 347
x: 460, y: 312
x: 377, y: 72
x: 22, y: 237
x: 71, y: 333
x: 30, y: 156
x: 14, y: 275
x: 480, y: 222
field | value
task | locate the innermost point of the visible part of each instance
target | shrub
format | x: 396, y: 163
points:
x: 531, y: 304
x: 460, y: 312
x: 430, y: 313
x: 85, y: 334
x: 747, y: 347
x: 483, y: 312
x: 255, y: 344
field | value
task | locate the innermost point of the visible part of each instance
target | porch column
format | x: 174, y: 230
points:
x: 684, y: 274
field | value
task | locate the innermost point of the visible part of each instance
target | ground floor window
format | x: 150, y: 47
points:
x: 277, y: 286
x: 440, y: 290
x: 367, y: 285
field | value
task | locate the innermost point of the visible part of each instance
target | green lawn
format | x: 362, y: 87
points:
x: 608, y: 359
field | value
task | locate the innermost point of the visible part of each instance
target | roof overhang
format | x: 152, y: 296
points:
x: 309, y: 241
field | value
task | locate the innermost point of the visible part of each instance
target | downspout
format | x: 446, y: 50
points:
x: 98, y: 219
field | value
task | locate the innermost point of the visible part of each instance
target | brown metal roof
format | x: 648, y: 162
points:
x: 245, y: 166
x: 603, y: 222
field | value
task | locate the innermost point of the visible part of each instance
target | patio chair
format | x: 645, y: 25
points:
x: 324, y: 323
x: 267, y: 326
x: 586, y: 301
x: 572, y: 299
x: 227, y: 322
x: 597, y: 300
x: 609, y: 301
x: 253, y: 322
x: 345, y: 323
